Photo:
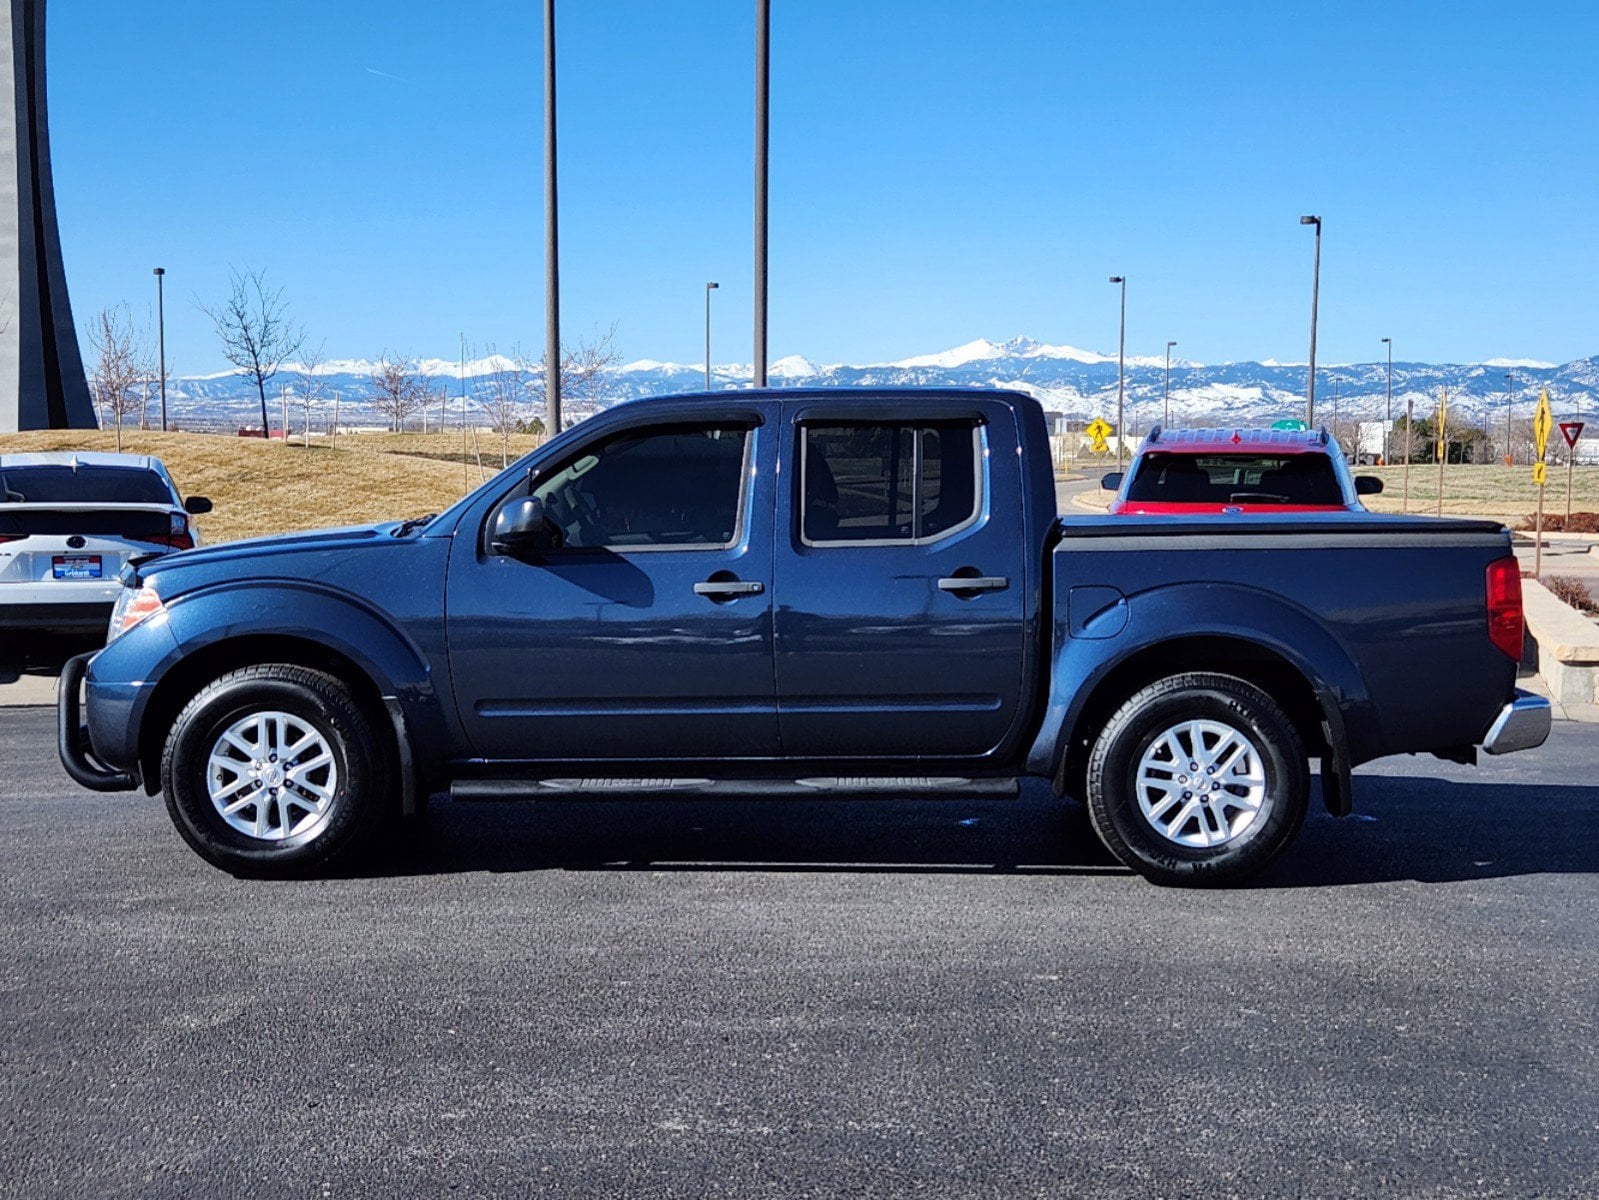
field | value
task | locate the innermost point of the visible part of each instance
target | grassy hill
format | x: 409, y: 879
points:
x: 262, y: 487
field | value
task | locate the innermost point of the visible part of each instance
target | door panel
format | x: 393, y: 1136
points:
x: 612, y: 647
x: 899, y: 623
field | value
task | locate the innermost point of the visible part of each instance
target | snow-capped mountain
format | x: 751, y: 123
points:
x: 1080, y: 383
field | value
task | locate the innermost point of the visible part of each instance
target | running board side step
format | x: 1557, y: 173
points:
x: 812, y: 787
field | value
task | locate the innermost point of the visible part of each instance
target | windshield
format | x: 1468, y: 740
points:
x: 1168, y: 478
x: 86, y: 485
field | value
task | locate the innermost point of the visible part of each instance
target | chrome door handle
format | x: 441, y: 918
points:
x: 974, y: 583
x: 729, y: 587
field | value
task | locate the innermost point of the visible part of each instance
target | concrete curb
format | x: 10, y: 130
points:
x: 1567, y: 646
x: 27, y: 691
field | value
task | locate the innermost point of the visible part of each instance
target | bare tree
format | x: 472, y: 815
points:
x: 505, y: 400
x: 590, y: 365
x: 312, y: 385
x: 257, y: 335
x: 587, y: 368
x: 397, y: 390
x: 118, y: 368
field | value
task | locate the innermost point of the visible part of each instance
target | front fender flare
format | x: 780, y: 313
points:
x: 312, y: 613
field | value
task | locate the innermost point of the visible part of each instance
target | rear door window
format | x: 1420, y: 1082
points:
x: 86, y: 485
x: 874, y: 483
x: 1302, y: 479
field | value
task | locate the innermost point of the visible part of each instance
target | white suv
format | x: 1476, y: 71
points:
x: 69, y: 522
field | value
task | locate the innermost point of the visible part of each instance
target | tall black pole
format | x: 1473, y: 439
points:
x: 1510, y: 404
x: 1315, y: 296
x: 161, y: 340
x: 709, y: 288
x: 1121, y: 371
x: 763, y: 88
x: 552, y: 259
x: 1166, y: 419
x: 1388, y: 429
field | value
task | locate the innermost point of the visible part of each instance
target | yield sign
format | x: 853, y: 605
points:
x: 1571, y: 431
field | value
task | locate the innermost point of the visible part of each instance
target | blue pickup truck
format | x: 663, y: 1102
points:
x: 766, y: 594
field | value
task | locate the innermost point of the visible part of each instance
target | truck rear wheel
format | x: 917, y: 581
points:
x: 1198, y: 780
x: 274, y: 770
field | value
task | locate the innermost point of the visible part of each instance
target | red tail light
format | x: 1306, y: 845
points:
x: 179, y: 538
x: 10, y: 537
x: 1505, y: 623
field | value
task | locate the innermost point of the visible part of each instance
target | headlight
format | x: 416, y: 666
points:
x: 132, y: 606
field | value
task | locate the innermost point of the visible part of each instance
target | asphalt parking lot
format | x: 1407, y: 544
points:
x: 888, y: 998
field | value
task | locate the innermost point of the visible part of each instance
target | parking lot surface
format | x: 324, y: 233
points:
x: 936, y: 998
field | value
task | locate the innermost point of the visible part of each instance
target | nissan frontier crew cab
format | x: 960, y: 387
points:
x: 767, y: 594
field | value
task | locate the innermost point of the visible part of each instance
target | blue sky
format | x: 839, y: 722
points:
x: 941, y: 171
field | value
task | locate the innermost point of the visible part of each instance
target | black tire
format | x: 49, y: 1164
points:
x: 1137, y: 726
x: 360, y: 799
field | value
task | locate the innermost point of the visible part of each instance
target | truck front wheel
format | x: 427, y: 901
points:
x: 1198, y: 779
x: 274, y: 770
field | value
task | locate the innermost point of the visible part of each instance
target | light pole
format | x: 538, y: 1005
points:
x: 1121, y: 369
x: 1510, y: 402
x: 161, y: 340
x: 1388, y: 429
x: 709, y: 288
x: 552, y: 258
x: 1315, y: 295
x: 763, y: 92
x: 1166, y: 419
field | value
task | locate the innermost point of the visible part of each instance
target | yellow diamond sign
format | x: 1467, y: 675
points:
x: 1542, y: 422
x: 1098, y: 430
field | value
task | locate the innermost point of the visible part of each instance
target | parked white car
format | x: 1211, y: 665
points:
x: 69, y: 522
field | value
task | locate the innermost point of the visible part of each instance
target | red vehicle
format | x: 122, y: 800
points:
x: 1238, y: 471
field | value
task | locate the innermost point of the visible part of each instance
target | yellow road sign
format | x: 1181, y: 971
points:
x: 1540, y: 473
x: 1542, y: 422
x: 1098, y: 430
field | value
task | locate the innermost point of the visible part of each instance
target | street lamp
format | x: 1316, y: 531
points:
x: 1121, y: 369
x: 1510, y: 401
x: 709, y: 288
x: 1315, y: 295
x: 161, y: 340
x: 1166, y: 420
x: 1388, y: 430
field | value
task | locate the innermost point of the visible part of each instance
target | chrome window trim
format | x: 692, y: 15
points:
x: 979, y: 491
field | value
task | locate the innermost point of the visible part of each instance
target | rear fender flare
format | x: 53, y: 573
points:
x: 1179, y: 612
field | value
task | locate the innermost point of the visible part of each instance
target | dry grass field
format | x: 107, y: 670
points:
x: 263, y: 487
x: 445, y: 447
x: 1504, y: 492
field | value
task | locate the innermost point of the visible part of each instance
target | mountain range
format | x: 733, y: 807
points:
x: 1068, y: 380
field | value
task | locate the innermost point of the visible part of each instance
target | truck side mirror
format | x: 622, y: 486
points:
x: 196, y: 505
x: 521, y: 527
x: 1367, y: 485
x: 1112, y: 481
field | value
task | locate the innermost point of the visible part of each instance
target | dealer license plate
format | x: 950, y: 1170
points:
x: 76, y: 566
